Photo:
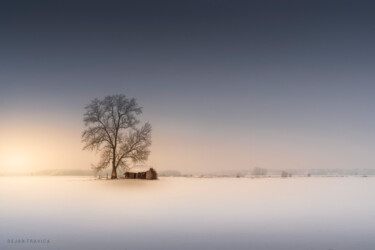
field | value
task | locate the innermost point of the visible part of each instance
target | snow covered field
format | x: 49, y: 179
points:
x: 81, y: 213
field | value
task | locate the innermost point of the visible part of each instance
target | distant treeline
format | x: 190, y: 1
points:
x: 274, y: 172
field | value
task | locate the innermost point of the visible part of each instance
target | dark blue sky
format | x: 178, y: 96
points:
x: 245, y: 83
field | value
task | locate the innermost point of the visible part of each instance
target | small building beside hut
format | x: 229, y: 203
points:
x: 141, y: 172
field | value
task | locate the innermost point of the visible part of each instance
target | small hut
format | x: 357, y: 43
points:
x: 141, y: 172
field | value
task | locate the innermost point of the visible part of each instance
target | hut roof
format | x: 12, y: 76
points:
x: 137, y: 169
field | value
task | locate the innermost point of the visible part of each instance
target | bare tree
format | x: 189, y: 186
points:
x: 111, y: 127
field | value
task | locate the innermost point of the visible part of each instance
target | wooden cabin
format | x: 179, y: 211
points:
x: 141, y: 173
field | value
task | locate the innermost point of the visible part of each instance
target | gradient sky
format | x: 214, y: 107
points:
x: 225, y: 84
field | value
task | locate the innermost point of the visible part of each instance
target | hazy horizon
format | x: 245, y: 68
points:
x: 272, y: 84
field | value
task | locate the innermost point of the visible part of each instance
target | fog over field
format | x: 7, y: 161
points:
x: 188, y: 213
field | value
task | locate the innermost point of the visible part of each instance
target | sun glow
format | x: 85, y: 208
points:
x: 40, y: 147
x: 15, y: 161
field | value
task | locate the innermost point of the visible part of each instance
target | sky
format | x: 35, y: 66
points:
x: 278, y: 84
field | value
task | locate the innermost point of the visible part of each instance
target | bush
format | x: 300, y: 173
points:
x: 259, y: 171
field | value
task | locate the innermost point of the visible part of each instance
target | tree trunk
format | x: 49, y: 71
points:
x: 114, y: 173
x: 114, y: 170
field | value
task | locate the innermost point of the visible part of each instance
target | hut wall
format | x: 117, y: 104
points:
x: 151, y: 174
